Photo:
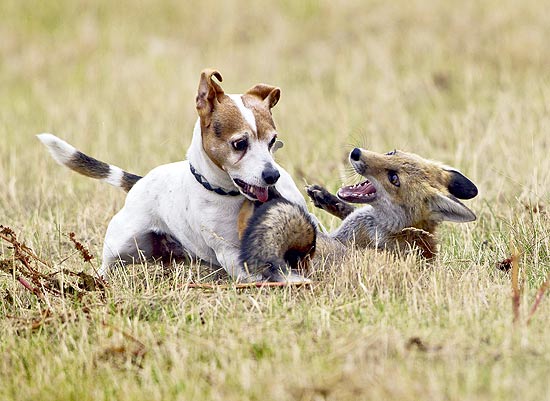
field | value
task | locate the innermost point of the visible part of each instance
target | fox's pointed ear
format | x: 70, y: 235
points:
x: 460, y: 186
x: 448, y: 208
x: 270, y: 95
x: 209, y: 92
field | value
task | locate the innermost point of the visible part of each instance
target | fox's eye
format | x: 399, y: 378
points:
x: 394, y: 178
x: 240, y: 144
x: 272, y: 142
x: 391, y: 153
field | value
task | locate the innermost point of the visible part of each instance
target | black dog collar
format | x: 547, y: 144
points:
x: 206, y: 184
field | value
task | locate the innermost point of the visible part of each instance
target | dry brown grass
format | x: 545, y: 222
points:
x: 467, y: 84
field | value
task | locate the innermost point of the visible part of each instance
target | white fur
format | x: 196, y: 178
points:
x: 249, y: 168
x: 115, y: 176
x: 257, y: 158
x: 246, y: 112
x: 60, y: 150
x: 170, y: 200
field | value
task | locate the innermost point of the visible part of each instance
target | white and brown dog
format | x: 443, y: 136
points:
x: 190, y: 208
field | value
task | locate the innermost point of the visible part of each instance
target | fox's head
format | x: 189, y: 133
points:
x: 420, y: 192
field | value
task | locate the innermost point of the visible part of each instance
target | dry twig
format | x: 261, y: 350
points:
x: 84, y: 252
x: 261, y: 284
x: 538, y: 298
x: 515, y: 287
x: 24, y: 266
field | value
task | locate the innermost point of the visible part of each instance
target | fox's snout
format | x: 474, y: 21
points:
x: 355, y: 154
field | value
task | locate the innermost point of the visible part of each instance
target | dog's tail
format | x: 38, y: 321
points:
x: 70, y: 157
x: 280, y: 237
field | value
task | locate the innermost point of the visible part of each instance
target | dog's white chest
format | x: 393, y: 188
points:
x: 201, y: 220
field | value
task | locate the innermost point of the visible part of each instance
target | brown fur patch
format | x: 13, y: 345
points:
x: 279, y: 233
x: 247, y: 209
x: 208, y: 93
x: 226, y: 121
x: 415, y: 238
x: 420, y: 181
x: 88, y: 166
x: 262, y: 113
x: 129, y: 180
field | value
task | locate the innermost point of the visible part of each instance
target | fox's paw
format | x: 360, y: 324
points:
x: 330, y: 203
x: 319, y: 195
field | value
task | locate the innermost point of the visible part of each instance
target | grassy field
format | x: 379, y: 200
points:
x: 466, y: 83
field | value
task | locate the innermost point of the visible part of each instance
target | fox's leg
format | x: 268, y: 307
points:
x: 323, y: 199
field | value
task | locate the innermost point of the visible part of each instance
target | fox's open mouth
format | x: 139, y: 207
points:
x: 363, y: 192
x: 251, y: 191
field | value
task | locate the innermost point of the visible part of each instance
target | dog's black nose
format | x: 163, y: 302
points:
x: 355, y: 154
x: 271, y: 175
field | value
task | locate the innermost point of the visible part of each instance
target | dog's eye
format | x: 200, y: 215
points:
x: 272, y: 143
x: 391, y: 153
x: 240, y: 144
x: 394, y: 178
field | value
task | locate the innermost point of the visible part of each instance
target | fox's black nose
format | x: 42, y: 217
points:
x: 270, y: 175
x: 355, y: 154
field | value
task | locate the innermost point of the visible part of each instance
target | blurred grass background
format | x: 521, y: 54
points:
x: 466, y: 83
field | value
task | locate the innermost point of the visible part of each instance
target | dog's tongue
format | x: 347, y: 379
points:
x: 262, y: 194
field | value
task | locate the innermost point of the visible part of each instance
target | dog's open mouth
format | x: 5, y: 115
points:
x: 363, y: 192
x: 252, y: 191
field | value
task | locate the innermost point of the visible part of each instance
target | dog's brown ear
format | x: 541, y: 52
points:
x: 209, y: 92
x: 268, y: 94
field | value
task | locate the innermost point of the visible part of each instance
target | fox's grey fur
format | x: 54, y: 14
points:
x: 400, y: 215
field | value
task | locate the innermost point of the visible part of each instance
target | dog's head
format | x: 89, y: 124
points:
x: 238, y: 133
